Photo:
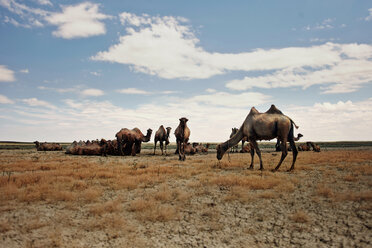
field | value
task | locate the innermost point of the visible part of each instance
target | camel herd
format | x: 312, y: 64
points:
x: 257, y: 126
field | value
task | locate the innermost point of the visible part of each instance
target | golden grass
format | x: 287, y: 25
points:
x: 300, y: 217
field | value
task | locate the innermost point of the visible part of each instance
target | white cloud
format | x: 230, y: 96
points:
x: 134, y: 91
x: 5, y: 100
x: 369, y: 17
x: 243, y: 100
x: 88, y: 119
x: 325, y: 24
x: 209, y: 90
x: 166, y: 47
x: 78, y: 21
x: 28, y: 17
x: 94, y: 73
x: 348, y: 74
x: 25, y: 71
x: 92, y: 92
x: 44, y: 2
x: 6, y: 75
x: 344, y: 120
x: 34, y: 102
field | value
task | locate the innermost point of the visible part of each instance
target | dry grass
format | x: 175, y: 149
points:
x: 300, y: 217
x: 122, y: 196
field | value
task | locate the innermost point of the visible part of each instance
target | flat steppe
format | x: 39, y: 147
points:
x: 49, y: 199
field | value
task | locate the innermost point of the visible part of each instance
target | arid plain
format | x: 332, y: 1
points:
x: 49, y: 199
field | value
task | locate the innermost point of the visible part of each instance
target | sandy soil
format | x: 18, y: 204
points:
x: 49, y: 199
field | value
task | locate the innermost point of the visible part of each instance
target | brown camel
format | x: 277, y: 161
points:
x: 162, y: 136
x: 303, y: 147
x: 277, y: 145
x: 200, y: 148
x: 189, y: 149
x: 316, y: 148
x: 88, y: 148
x: 129, y: 141
x: 182, y: 134
x: 47, y: 146
x: 234, y: 130
x: 264, y: 126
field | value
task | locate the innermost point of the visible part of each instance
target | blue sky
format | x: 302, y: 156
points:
x: 72, y: 70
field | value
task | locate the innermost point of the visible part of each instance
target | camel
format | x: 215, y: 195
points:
x: 129, y: 141
x: 189, y: 149
x: 234, y: 130
x: 47, y: 146
x: 88, y: 148
x: 316, y: 148
x: 277, y: 145
x: 264, y: 126
x: 162, y: 136
x: 200, y: 148
x: 182, y: 134
x: 303, y: 147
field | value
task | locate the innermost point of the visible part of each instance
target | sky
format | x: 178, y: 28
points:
x: 78, y: 70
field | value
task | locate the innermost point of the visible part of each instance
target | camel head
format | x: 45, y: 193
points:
x: 183, y: 121
x: 220, y: 151
x: 168, y: 130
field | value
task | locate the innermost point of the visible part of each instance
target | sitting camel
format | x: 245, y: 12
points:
x: 264, y: 126
x: 200, y: 148
x: 189, y: 149
x: 182, y: 134
x: 162, y: 136
x: 304, y: 147
x: 47, y: 146
x: 129, y: 141
x: 88, y: 148
x: 316, y: 148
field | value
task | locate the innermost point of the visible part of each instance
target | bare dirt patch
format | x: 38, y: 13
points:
x: 49, y: 199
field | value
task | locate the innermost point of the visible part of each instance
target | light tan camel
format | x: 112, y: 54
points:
x: 129, y: 141
x: 162, y: 136
x: 264, y: 126
x: 182, y: 134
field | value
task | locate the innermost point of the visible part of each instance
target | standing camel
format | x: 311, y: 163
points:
x: 162, y: 136
x: 264, y: 126
x: 129, y: 141
x: 182, y: 134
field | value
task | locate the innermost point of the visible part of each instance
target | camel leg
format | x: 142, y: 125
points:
x: 243, y: 144
x: 252, y: 159
x: 165, y: 148
x: 283, y: 146
x: 295, y: 152
x: 161, y: 147
x: 179, y: 149
x: 258, y: 151
x: 155, y: 146
x: 134, y: 149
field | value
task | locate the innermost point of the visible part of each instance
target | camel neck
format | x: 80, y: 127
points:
x: 234, y: 139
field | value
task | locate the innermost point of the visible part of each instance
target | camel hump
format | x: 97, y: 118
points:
x: 274, y: 110
x: 253, y: 111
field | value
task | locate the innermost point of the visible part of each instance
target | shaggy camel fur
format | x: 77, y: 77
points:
x: 264, y: 126
x: 47, y: 146
x: 189, y: 149
x: 129, y: 141
x: 200, y: 148
x: 162, y: 136
x: 182, y: 134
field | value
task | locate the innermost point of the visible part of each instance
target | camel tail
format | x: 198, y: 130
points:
x: 294, y: 123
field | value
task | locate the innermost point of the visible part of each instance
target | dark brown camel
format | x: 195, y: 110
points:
x: 264, y: 126
x: 182, y: 134
x: 129, y: 141
x: 162, y: 136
